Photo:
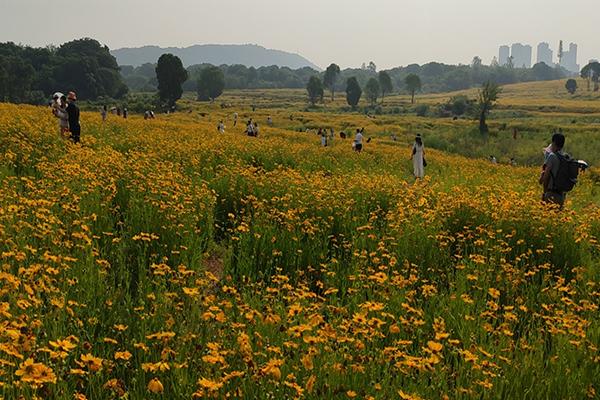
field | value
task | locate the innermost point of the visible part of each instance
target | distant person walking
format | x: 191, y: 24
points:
x: 323, y: 139
x: 125, y: 112
x: 418, y: 157
x: 358, y: 141
x: 104, y: 113
x: 73, y: 115
x: 221, y: 127
x: 235, y: 117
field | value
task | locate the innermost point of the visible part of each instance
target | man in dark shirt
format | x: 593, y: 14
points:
x: 551, y: 167
x: 73, y: 112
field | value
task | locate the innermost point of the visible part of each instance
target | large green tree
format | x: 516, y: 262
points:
x: 170, y: 75
x: 591, y: 73
x: 372, y: 90
x: 210, y: 83
x: 82, y: 65
x: 88, y: 68
x: 385, y: 82
x: 571, y: 86
x: 353, y: 92
x: 314, y: 87
x: 413, y: 85
x: 487, y: 97
x: 16, y: 83
x: 329, y: 79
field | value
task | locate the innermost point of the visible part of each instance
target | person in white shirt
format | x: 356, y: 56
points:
x: 418, y: 157
x: 221, y: 127
x: 358, y: 141
x: 250, y: 128
x: 59, y: 109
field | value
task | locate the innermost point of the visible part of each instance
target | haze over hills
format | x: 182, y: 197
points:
x: 250, y: 55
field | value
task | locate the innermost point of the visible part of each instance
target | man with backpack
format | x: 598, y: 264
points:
x: 560, y: 172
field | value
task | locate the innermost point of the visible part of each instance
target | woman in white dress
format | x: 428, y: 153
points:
x: 418, y: 158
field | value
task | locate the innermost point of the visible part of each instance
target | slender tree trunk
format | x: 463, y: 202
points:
x: 412, y: 101
x: 483, y: 128
x: 382, y: 96
x: 332, y: 93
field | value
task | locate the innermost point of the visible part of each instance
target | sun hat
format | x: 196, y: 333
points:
x: 72, y: 96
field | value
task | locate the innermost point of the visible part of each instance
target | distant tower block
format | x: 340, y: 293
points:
x: 569, y: 59
x: 544, y: 54
x: 521, y: 55
x: 503, y: 55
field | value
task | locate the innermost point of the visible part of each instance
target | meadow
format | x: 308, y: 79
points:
x: 162, y: 259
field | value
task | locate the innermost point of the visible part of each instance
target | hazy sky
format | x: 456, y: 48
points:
x: 348, y: 32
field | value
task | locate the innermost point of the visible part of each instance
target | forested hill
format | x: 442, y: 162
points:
x: 248, y: 54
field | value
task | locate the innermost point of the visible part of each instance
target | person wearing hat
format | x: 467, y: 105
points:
x: 73, y: 113
x: 418, y: 157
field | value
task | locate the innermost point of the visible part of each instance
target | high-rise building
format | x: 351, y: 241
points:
x: 544, y: 54
x: 569, y: 59
x: 503, y: 55
x: 521, y: 55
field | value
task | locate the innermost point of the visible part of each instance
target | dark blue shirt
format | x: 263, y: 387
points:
x: 73, y: 112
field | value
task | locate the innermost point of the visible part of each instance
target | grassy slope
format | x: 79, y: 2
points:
x: 535, y: 109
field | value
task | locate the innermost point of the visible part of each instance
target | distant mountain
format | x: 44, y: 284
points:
x: 249, y: 55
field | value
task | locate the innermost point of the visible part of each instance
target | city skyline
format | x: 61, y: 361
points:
x: 521, y: 55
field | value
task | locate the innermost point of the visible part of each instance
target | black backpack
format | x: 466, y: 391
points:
x: 566, y: 177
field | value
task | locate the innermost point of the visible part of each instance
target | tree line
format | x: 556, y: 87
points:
x: 435, y: 77
x: 31, y: 75
x: 375, y: 87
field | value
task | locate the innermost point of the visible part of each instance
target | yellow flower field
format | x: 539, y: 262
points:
x: 162, y: 259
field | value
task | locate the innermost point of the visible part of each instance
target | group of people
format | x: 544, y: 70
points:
x: 252, y: 128
x: 558, y: 177
x: 512, y: 162
x: 65, y: 109
x: 326, y: 136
